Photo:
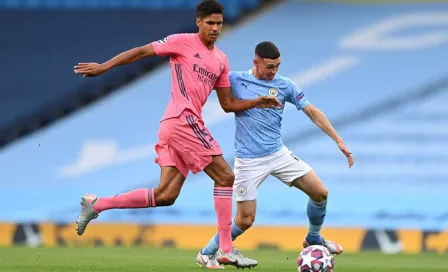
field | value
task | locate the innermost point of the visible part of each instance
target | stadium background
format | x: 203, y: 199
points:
x: 379, y: 72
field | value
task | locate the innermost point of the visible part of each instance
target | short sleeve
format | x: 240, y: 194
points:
x: 223, y: 79
x: 297, y: 97
x: 169, y: 46
x: 232, y: 77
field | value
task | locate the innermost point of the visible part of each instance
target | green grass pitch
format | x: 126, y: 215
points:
x: 150, y: 260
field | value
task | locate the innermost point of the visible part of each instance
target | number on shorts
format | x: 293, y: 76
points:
x: 210, y: 138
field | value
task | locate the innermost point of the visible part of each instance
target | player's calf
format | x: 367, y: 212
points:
x: 170, y: 185
x: 244, y: 220
x: 317, y: 204
x: 91, y: 205
x: 244, y: 223
x: 223, y: 176
x: 245, y: 214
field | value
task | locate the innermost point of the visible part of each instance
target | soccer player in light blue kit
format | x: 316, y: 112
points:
x: 260, y: 152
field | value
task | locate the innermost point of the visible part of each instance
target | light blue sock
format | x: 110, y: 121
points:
x: 213, y: 245
x: 316, y: 214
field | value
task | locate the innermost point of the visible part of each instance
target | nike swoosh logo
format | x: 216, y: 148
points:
x: 386, y: 244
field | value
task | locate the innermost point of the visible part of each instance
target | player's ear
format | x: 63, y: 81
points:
x: 198, y: 21
x: 255, y: 61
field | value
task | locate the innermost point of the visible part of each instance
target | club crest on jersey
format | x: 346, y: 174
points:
x: 241, y: 190
x: 164, y: 40
x: 273, y: 92
x: 221, y: 67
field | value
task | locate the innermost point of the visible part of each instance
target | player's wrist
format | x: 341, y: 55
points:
x: 106, y: 66
x: 254, y: 103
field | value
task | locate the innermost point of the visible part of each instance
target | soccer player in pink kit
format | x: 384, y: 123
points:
x: 198, y: 67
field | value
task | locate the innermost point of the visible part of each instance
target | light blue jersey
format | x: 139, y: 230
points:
x: 258, y: 131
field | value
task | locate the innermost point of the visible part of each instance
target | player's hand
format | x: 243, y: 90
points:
x: 347, y: 153
x: 90, y: 69
x: 268, y: 102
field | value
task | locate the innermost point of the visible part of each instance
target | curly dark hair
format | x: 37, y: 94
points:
x: 208, y: 7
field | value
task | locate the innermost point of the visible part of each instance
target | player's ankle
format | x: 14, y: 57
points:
x: 313, y: 239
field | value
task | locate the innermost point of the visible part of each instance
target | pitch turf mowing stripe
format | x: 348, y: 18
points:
x: 67, y: 259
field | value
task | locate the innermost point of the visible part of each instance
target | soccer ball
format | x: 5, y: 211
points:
x: 315, y: 259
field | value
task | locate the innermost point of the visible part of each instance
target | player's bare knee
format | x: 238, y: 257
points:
x: 226, y: 179
x: 165, y: 198
x: 245, y: 221
x: 320, y: 195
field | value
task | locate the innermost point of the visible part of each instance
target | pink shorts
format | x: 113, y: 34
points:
x: 185, y: 143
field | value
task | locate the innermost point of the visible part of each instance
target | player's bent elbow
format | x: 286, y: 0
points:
x: 226, y: 106
x: 226, y: 109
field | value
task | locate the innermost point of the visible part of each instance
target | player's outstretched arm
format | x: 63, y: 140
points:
x: 231, y: 104
x: 319, y: 118
x: 93, y: 69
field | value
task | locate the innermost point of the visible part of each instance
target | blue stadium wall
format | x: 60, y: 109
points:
x: 42, y: 40
x: 378, y: 73
x: 43, y: 46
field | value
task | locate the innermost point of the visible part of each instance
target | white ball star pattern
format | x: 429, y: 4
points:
x: 318, y: 255
x: 307, y: 259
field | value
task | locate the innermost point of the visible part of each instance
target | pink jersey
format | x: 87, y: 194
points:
x: 195, y: 72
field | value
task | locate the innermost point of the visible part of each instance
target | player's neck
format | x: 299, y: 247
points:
x: 256, y: 74
x: 209, y: 45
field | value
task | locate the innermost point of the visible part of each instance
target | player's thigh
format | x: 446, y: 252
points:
x: 220, y: 171
x: 245, y: 213
x: 249, y: 175
x: 167, y: 156
x: 288, y: 167
x: 197, y: 147
x: 171, y: 182
x: 311, y: 185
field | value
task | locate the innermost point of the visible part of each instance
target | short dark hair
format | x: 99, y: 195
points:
x: 208, y: 7
x: 267, y: 50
